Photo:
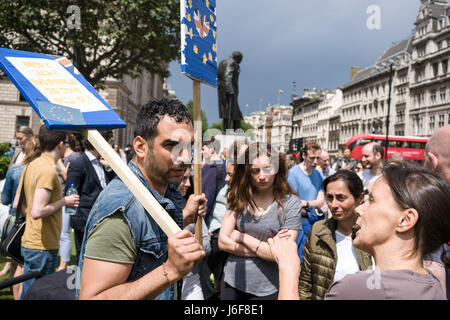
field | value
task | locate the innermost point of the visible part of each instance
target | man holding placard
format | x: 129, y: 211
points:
x: 125, y: 254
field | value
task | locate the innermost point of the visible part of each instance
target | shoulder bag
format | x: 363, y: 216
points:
x: 12, y: 239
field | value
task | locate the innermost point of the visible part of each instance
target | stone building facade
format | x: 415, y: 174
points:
x: 306, y: 117
x: 14, y: 112
x: 273, y: 126
x: 429, y: 98
x: 281, y: 126
x: 366, y: 97
x: 410, y: 82
x: 420, y: 88
x: 328, y: 109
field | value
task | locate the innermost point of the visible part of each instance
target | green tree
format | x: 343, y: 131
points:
x: 4, y: 160
x: 190, y: 106
x: 104, y: 38
x: 219, y: 125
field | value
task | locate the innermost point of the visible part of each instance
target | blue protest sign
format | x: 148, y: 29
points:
x: 198, y: 40
x: 58, y: 93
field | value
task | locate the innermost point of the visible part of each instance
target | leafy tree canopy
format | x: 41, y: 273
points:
x: 219, y: 125
x: 104, y: 38
x: 190, y: 106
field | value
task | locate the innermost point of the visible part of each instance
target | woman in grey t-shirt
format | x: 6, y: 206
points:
x: 261, y: 204
x: 406, y: 218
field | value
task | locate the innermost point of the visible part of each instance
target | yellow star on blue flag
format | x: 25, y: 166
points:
x: 198, y: 40
x: 56, y: 112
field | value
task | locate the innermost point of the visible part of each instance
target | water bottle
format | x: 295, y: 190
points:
x: 72, y: 190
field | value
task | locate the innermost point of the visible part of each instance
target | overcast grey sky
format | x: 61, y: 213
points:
x: 314, y: 43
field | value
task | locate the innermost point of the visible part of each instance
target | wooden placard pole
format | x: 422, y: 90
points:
x: 197, y: 154
x: 142, y: 194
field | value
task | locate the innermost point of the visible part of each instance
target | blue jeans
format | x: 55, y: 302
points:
x: 42, y: 261
x: 65, y: 241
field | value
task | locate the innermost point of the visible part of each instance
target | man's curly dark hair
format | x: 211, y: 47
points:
x: 151, y: 113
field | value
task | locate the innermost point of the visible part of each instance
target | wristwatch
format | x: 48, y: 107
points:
x: 307, y: 204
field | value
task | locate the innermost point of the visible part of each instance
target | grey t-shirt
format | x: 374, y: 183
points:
x: 386, y: 285
x: 254, y: 275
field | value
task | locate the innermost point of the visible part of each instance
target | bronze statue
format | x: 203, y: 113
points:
x: 228, y: 91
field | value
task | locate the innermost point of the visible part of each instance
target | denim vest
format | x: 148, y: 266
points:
x: 151, y: 241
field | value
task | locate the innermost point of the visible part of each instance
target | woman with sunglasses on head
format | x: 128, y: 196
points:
x: 329, y: 254
x: 406, y: 218
x: 261, y: 203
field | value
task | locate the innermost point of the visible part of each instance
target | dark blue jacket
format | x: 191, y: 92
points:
x: 82, y: 173
x: 212, y: 182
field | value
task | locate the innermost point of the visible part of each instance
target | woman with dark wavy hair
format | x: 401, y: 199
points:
x: 406, y: 218
x: 261, y: 204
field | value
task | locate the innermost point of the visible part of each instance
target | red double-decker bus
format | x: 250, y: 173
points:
x: 410, y: 148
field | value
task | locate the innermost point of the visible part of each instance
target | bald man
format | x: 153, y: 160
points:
x: 372, y: 160
x: 437, y: 152
x: 324, y: 165
x: 437, y: 158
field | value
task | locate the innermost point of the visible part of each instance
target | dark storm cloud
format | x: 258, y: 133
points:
x: 314, y: 43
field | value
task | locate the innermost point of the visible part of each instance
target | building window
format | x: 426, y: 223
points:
x: 433, y: 96
x: 443, y: 95
x: 441, y: 120
x: 419, y: 99
x: 22, y: 121
x: 435, y: 69
x: 400, y: 116
x: 21, y: 97
x: 432, y: 123
x: 420, y: 74
x: 421, y: 51
x: 444, y: 66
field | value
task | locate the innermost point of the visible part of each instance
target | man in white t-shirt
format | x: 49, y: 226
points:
x: 372, y: 160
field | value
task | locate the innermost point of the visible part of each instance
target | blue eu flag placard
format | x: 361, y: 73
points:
x: 57, y: 91
x: 198, y: 40
x: 54, y: 112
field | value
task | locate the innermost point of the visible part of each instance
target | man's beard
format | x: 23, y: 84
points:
x: 153, y: 169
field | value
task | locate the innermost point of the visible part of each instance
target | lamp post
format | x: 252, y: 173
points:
x: 391, y: 63
x: 389, y: 110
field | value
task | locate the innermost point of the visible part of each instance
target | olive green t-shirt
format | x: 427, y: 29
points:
x: 112, y: 241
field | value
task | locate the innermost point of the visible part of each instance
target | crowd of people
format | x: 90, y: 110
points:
x: 272, y: 228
